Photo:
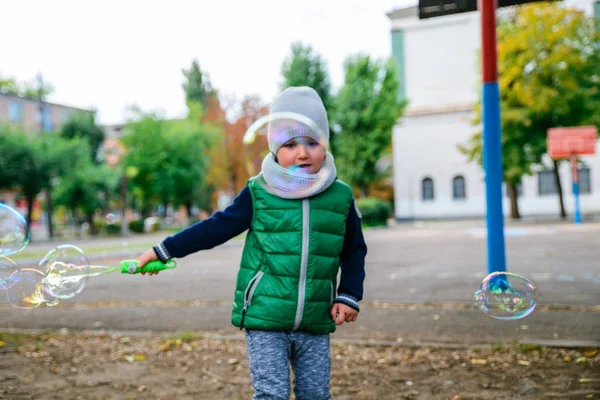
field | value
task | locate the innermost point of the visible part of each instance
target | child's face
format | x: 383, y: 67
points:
x: 301, y: 154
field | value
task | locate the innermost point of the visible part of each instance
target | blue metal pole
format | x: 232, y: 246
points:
x: 492, y: 163
x: 492, y: 139
x: 577, y: 211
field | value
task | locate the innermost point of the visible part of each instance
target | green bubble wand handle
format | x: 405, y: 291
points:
x: 131, y: 266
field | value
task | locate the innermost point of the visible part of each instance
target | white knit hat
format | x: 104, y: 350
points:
x: 303, y: 101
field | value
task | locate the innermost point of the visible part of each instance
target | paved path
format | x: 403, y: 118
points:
x: 419, y: 288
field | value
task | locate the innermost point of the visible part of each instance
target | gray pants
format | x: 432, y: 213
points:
x: 270, y: 355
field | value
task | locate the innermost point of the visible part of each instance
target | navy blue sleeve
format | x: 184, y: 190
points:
x: 352, y: 260
x: 216, y: 230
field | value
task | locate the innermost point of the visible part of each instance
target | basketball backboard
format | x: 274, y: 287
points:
x: 572, y: 141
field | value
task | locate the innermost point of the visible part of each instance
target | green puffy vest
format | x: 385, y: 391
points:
x: 289, y: 266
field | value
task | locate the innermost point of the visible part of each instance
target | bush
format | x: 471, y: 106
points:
x: 113, y: 229
x: 137, y: 226
x: 375, y: 212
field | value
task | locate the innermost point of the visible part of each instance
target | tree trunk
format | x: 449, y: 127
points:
x: 514, y: 203
x: 124, y: 201
x: 188, y: 208
x: 164, y: 213
x: 90, y: 220
x: 49, y: 210
x: 29, y: 198
x: 563, y: 213
x: 145, y: 211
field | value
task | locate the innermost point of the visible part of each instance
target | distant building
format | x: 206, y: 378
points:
x: 439, y: 74
x: 33, y: 116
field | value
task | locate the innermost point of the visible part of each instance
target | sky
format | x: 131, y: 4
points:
x: 113, y: 54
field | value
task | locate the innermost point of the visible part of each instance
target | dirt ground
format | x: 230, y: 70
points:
x: 191, y: 365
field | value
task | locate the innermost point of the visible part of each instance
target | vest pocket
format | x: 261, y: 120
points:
x: 249, y: 293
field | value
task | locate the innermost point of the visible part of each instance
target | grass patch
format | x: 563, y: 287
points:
x: 525, y: 348
x: 185, y: 336
x: 496, y: 347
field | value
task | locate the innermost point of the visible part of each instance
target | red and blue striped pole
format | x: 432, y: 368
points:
x: 492, y: 139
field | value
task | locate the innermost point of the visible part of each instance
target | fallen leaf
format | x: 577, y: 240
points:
x: 585, y: 380
x: 478, y: 361
x: 130, y: 358
x: 1, y: 343
x: 140, y: 357
x: 580, y: 360
x: 233, y: 361
x: 525, y: 363
x: 141, y: 388
x: 591, y: 353
x: 382, y: 361
x: 567, y: 358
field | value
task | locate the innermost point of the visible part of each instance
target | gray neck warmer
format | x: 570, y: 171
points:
x: 290, y: 184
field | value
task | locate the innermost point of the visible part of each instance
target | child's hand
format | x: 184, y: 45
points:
x: 342, y: 313
x: 148, y: 256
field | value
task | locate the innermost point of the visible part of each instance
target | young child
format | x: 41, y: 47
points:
x: 302, y: 227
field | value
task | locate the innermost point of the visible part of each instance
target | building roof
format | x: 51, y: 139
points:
x: 404, y: 12
x: 45, y: 102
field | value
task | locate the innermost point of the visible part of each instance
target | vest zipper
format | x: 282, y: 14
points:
x: 303, y: 263
x: 249, y: 293
x: 332, y: 295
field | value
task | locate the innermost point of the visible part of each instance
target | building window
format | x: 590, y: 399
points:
x: 459, y: 190
x: 44, y: 118
x: 585, y: 183
x: 547, y: 183
x: 15, y: 111
x: 427, y: 189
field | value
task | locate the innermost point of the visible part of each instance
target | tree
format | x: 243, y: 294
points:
x: 367, y: 111
x: 84, y: 125
x: 9, y: 86
x: 304, y: 67
x: 27, y: 89
x: 85, y: 189
x: 190, y: 142
x: 29, y: 163
x: 169, y: 159
x: 197, y: 85
x: 549, y: 76
x: 239, y: 155
x: 146, y: 151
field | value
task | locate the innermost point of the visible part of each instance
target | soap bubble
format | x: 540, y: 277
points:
x: 14, y: 233
x: 506, y: 296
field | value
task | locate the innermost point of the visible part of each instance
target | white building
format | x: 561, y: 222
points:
x: 439, y: 73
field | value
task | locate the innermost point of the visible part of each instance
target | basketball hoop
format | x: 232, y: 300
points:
x: 571, y: 143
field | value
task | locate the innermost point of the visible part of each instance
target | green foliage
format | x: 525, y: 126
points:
x: 29, y: 163
x: 367, y: 110
x: 85, y: 189
x: 137, y: 226
x: 113, y: 229
x: 375, y: 212
x: 167, y: 160
x: 83, y: 125
x: 196, y: 86
x: 306, y: 68
x: 549, y: 76
x: 33, y: 89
